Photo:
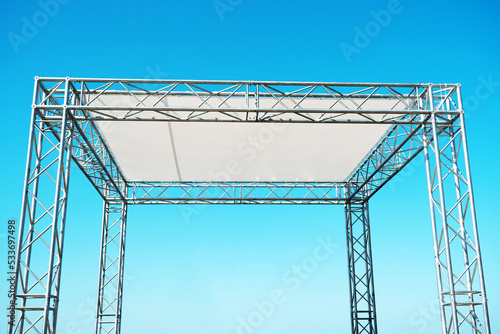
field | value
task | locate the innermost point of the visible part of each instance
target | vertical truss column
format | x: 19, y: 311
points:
x: 41, y: 227
x: 109, y: 295
x: 359, y: 256
x: 459, y: 267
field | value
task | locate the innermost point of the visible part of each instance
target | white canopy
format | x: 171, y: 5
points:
x: 165, y: 151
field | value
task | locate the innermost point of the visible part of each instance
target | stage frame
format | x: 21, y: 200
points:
x: 64, y: 131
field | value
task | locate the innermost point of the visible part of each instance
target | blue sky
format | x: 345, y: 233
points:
x: 201, y: 269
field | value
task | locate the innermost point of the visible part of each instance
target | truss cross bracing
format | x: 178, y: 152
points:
x: 243, y: 142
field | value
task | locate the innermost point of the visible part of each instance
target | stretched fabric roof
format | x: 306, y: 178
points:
x: 165, y: 151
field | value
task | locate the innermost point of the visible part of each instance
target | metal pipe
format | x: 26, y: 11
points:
x: 225, y: 109
x: 249, y: 82
x: 101, y: 266
x: 63, y: 220
x: 121, y: 266
x: 439, y: 176
x: 56, y: 212
x: 461, y: 218
x: 434, y: 232
x: 472, y: 204
x: 242, y: 120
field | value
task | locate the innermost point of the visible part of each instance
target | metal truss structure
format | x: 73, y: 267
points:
x: 110, y: 286
x: 420, y: 117
x: 359, y: 258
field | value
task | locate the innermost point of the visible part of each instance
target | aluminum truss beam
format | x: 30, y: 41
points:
x: 393, y: 153
x: 109, y: 296
x: 41, y: 232
x: 462, y: 293
x: 359, y: 258
x: 237, y: 193
x: 243, y: 101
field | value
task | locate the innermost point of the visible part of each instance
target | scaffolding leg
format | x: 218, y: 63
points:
x: 359, y: 256
x: 37, y: 269
x: 457, y: 253
x: 110, y: 290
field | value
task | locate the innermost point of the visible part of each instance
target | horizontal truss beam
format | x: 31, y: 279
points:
x: 236, y: 193
x: 250, y: 101
x: 233, y: 82
x: 255, y: 115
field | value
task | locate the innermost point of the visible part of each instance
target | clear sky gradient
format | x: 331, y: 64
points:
x: 207, y: 269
